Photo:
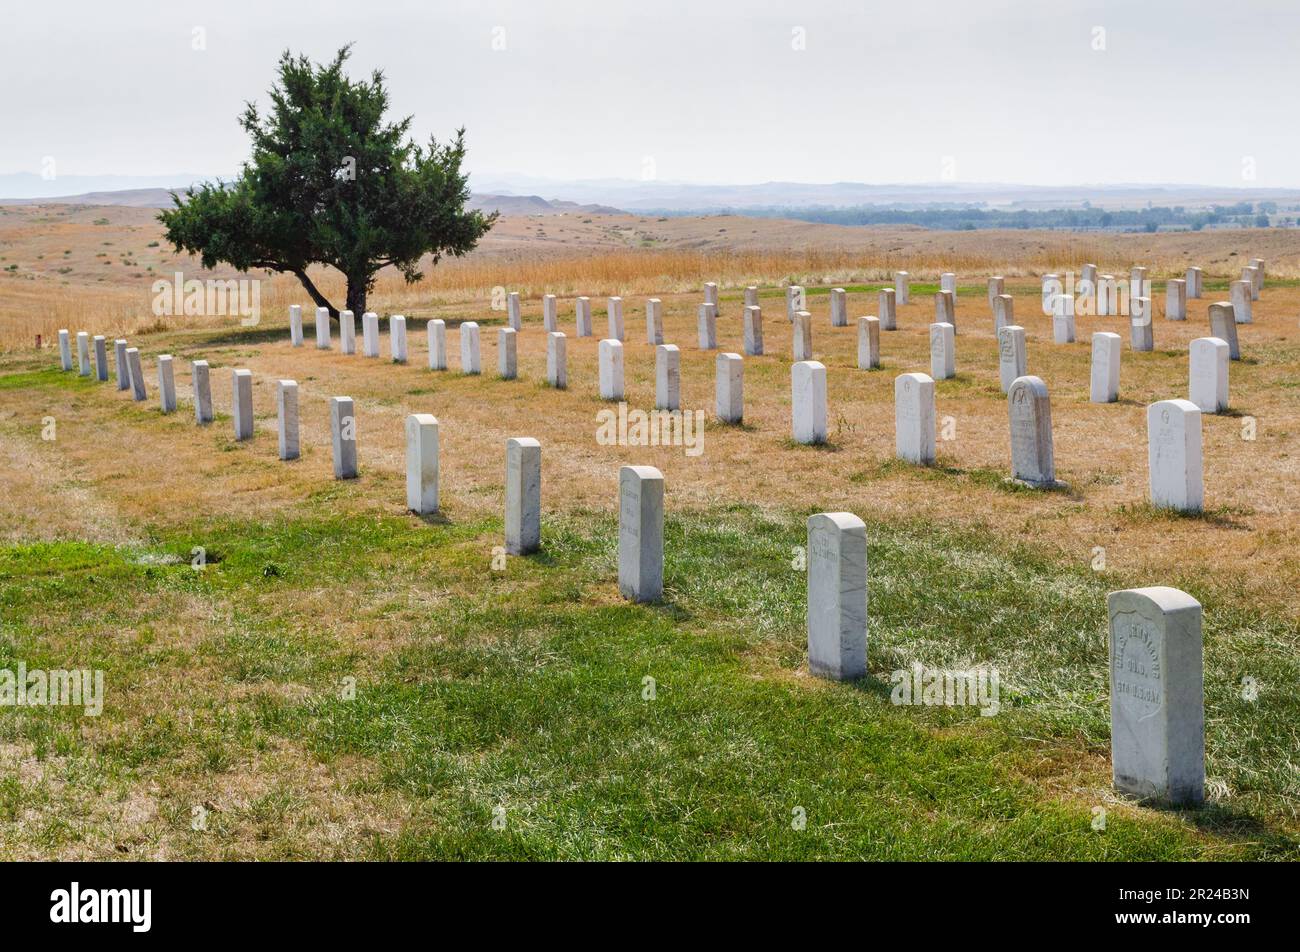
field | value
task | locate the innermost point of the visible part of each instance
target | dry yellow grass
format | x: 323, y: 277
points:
x: 90, y: 480
x: 92, y: 268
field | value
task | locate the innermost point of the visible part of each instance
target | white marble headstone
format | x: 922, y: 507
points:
x: 1157, y: 695
x: 557, y: 366
x: 422, y: 463
x: 729, y: 387
x: 640, y: 533
x: 1207, y: 371
x: 868, y: 343
x: 1104, y: 382
x: 668, y: 377
x: 286, y: 403
x: 1174, y: 455
x: 611, y: 369
x: 808, y: 401
x: 914, y: 418
x: 523, y: 495
x: 837, y: 596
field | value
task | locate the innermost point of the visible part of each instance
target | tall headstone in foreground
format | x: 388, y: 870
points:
x: 1174, y: 455
x: 347, y: 332
x: 997, y: 287
x: 241, y: 403
x: 729, y: 387
x: 120, y: 362
x: 582, y: 314
x: 611, y: 370
x: 422, y: 463
x: 868, y: 343
x: 914, y: 418
x: 1194, y: 279
x: 557, y: 365
x: 640, y: 533
x: 436, y: 330
x: 888, y: 314
x: 1141, y: 326
x: 65, y: 351
x: 753, y: 331
x: 201, y: 382
x: 101, y: 358
x: 1176, y: 299
x: 343, y: 431
x: 614, y: 317
x: 802, y: 342
x: 550, y: 322
x: 514, y: 316
x: 808, y: 402
x: 668, y: 377
x: 654, y: 322
x: 137, y: 375
x: 370, y: 334
x: 943, y: 351
x: 1207, y: 371
x: 1003, y: 311
x: 1157, y: 701
x: 902, y: 288
x: 1104, y: 386
x: 837, y: 596
x: 397, y: 338
x: 523, y: 495
x: 1032, y: 458
x: 1223, y: 325
x: 470, y: 355
x: 708, y: 327
x: 295, y: 325
x: 1012, y: 355
x: 83, y: 354
x: 507, y: 353
x: 286, y: 404
x: 322, y: 328
x: 839, y: 307
x: 1241, y: 307
x: 166, y: 384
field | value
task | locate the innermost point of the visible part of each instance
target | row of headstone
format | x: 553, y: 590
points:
x: 348, y: 332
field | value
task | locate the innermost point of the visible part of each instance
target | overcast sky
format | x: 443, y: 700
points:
x: 718, y: 91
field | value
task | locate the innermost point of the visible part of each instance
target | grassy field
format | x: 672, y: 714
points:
x: 342, y: 679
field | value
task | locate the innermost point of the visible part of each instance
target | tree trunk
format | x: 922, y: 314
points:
x: 320, y: 299
x: 357, y: 296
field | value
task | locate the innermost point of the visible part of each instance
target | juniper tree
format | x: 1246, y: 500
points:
x: 330, y: 182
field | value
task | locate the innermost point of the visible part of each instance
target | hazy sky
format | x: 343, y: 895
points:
x: 711, y: 90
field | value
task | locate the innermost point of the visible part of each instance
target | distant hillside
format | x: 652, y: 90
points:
x: 130, y: 198
x: 161, y: 198
x: 536, y: 205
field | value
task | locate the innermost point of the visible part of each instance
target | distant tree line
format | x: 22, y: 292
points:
x: 953, y: 217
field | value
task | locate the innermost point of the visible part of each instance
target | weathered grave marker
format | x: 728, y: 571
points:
x: 1157, y: 699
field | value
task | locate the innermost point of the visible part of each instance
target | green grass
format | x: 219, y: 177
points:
x: 520, y: 693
